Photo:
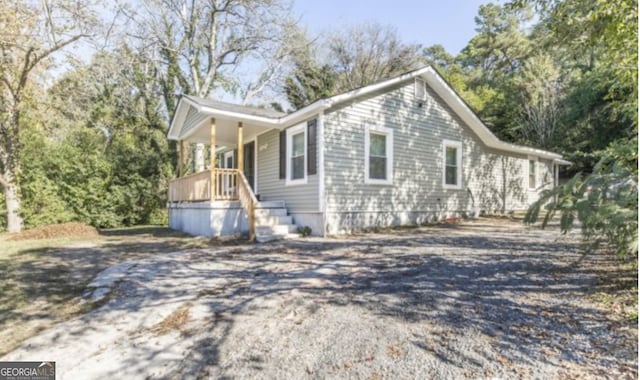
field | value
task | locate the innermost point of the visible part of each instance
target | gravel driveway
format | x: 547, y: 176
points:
x: 483, y: 299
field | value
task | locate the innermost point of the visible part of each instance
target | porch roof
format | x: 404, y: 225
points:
x: 235, y: 108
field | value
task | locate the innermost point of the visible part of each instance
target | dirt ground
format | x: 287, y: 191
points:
x: 484, y: 299
x: 42, y: 281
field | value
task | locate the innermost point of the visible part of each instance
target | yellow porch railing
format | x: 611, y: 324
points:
x: 191, y: 188
x: 197, y: 187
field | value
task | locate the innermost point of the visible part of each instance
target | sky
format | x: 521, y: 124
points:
x: 426, y: 22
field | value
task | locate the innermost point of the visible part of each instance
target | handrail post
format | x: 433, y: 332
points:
x: 248, y: 201
x: 212, y: 158
x: 252, y: 222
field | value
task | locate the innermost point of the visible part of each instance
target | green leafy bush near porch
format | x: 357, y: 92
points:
x: 304, y: 231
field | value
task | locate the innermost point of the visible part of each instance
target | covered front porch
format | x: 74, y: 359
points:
x: 218, y: 178
x: 215, y: 183
x: 216, y: 194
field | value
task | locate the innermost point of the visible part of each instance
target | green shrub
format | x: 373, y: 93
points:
x: 604, y: 202
x: 304, y: 231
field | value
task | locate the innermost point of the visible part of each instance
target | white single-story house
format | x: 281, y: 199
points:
x: 402, y: 151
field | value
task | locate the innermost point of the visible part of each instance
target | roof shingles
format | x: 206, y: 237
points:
x: 223, y: 106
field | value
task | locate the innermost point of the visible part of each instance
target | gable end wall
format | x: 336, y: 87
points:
x: 492, y: 180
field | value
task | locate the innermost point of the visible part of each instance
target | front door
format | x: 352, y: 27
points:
x: 249, y: 163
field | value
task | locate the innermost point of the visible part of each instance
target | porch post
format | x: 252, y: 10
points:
x: 180, y: 158
x: 212, y: 158
x: 240, y: 148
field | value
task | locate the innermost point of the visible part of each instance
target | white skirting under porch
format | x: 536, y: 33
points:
x: 210, y: 219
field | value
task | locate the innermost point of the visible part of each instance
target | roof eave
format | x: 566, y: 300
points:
x: 433, y: 78
x: 462, y: 109
x: 279, y: 123
x: 562, y: 162
x: 175, y: 127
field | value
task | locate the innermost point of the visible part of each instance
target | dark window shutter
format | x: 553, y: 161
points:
x: 235, y: 158
x: 283, y: 154
x: 312, y: 138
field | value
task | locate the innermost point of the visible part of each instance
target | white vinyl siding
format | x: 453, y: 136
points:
x: 300, y: 198
x: 490, y: 179
x: 192, y: 120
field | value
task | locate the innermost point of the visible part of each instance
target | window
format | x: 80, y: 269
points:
x: 378, y: 143
x: 296, y: 155
x: 377, y: 156
x: 533, y: 173
x: 452, y: 164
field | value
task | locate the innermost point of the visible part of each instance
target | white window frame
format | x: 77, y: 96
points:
x: 290, y: 133
x: 536, y: 173
x: 388, y: 133
x: 452, y: 144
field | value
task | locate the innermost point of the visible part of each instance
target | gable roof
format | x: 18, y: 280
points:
x: 281, y: 120
x: 237, y: 108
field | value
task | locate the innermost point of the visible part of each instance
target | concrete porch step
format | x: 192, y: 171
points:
x: 270, y: 204
x: 273, y: 220
x: 270, y: 212
x: 278, y: 229
x: 265, y: 238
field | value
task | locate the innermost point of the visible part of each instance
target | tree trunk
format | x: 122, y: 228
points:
x: 12, y: 200
x: 8, y: 160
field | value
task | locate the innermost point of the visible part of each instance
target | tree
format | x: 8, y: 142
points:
x: 310, y: 80
x: 606, y: 32
x: 200, y: 46
x: 437, y: 56
x: 493, y: 61
x: 501, y: 44
x: 101, y: 155
x: 353, y: 57
x: 605, y: 202
x: 309, y: 83
x: 32, y: 32
x: 367, y: 53
x: 600, y: 119
x: 476, y: 95
x: 541, y: 91
x: 202, y: 43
